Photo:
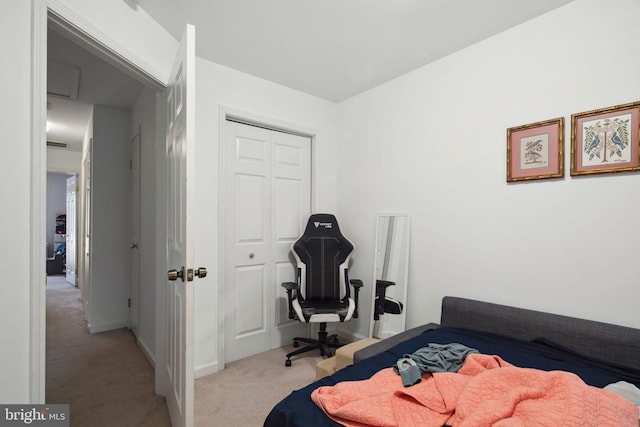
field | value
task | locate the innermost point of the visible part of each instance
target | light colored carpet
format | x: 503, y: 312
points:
x: 245, y: 391
x: 105, y: 377
x: 107, y: 381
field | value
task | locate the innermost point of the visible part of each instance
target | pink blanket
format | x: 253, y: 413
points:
x: 486, y: 391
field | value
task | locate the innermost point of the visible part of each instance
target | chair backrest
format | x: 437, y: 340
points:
x: 322, y: 254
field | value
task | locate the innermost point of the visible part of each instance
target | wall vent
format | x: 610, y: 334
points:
x: 63, y: 81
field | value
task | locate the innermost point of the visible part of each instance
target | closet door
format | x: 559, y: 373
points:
x: 267, y: 200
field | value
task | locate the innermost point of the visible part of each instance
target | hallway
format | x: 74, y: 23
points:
x: 104, y: 377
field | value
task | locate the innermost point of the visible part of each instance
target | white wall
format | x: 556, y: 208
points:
x: 63, y: 160
x: 15, y: 43
x: 220, y: 87
x: 433, y: 143
x: 143, y: 117
x: 110, y: 220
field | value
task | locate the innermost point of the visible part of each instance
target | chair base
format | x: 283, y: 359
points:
x: 324, y: 343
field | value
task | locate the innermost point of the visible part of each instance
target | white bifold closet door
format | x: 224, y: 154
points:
x: 267, y: 201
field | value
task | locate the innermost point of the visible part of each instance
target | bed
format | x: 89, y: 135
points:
x: 599, y: 354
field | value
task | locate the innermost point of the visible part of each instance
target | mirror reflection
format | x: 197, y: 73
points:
x: 391, y: 264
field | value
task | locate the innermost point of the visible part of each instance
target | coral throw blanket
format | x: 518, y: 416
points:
x: 486, y: 391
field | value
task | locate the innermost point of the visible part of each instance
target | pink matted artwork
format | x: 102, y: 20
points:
x: 605, y: 140
x: 535, y: 151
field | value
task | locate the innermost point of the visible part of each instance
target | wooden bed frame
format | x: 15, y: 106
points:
x: 610, y: 343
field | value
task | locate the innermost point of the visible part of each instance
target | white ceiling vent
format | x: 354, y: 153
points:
x: 63, y: 80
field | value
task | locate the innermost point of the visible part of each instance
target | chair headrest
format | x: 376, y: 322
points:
x: 322, y: 225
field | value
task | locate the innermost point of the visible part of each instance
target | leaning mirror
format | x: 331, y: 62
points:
x: 391, y: 265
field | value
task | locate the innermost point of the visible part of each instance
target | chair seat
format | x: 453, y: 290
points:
x: 324, y: 311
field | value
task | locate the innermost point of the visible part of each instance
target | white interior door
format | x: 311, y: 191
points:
x: 134, y: 293
x: 267, y: 203
x: 85, y: 256
x: 174, y: 373
x: 71, y: 231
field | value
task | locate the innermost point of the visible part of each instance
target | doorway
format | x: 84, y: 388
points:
x: 267, y: 182
x: 132, y: 114
x: 60, y: 222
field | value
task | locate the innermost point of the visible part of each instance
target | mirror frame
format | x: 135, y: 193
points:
x: 399, y: 291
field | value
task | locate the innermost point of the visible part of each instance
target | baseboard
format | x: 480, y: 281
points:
x: 149, y: 355
x: 350, y: 335
x: 94, y: 329
x: 204, y: 370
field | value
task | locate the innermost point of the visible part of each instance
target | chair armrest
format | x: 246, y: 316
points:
x: 290, y: 287
x: 357, y: 284
x: 380, y: 298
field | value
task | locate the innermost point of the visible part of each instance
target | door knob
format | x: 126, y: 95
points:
x: 201, y: 272
x: 251, y: 255
x: 175, y: 274
x: 134, y: 245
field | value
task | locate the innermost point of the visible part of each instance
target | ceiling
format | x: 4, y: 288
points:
x: 332, y: 49
x: 99, y: 83
x: 335, y: 49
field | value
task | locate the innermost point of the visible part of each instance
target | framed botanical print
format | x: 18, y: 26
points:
x: 605, y: 140
x: 536, y: 151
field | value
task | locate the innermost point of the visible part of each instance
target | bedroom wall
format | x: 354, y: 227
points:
x: 433, y: 143
x: 15, y: 43
x: 221, y: 87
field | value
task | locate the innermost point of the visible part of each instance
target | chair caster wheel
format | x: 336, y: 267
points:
x: 287, y: 362
x: 296, y: 344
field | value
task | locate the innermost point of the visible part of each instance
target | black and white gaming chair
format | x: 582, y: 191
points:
x: 321, y: 293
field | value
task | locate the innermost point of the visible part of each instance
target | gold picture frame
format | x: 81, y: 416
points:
x: 536, y: 151
x: 606, y: 140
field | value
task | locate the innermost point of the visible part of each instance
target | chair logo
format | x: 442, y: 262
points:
x: 323, y: 224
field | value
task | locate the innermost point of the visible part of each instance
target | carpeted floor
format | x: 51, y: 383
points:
x: 245, y: 391
x: 105, y: 377
x: 108, y: 381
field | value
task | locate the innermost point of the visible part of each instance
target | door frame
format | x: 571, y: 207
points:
x: 45, y: 13
x: 252, y: 119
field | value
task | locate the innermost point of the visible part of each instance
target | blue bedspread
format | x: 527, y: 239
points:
x: 298, y: 410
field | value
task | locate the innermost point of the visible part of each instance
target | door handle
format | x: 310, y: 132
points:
x: 134, y: 245
x: 175, y: 274
x: 201, y: 272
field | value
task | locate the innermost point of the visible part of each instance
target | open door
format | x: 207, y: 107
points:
x: 174, y: 372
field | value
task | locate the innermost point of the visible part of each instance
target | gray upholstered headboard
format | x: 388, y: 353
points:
x: 611, y: 343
